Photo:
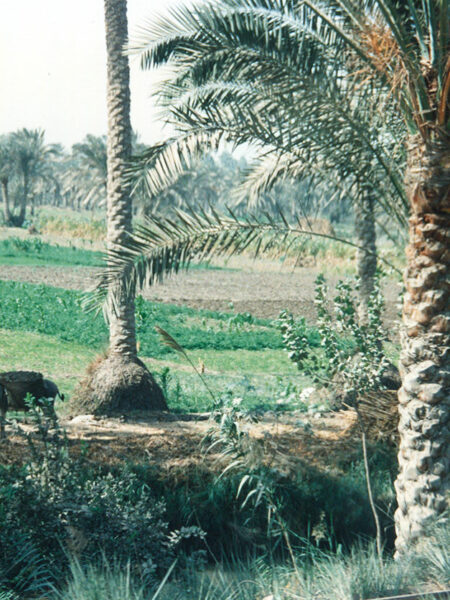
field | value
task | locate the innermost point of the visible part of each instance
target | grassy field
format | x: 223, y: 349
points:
x: 34, y: 251
x: 240, y: 354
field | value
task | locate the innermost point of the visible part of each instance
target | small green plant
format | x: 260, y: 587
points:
x: 33, y: 245
x: 171, y: 386
x: 351, y: 353
x: 47, y: 444
x: 240, y: 321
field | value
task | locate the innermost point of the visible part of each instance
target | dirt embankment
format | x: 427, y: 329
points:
x: 175, y: 443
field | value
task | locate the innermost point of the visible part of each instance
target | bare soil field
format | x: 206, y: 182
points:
x: 262, y: 288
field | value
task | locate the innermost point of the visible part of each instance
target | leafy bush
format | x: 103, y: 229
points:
x: 56, y: 506
x: 351, y: 353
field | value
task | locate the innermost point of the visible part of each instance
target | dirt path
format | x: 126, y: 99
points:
x: 262, y: 288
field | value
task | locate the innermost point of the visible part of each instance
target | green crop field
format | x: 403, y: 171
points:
x: 46, y: 328
x: 34, y: 251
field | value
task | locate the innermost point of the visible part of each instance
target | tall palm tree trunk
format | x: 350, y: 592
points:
x: 423, y: 482
x: 20, y: 218
x: 367, y: 254
x: 120, y: 382
x: 119, y: 210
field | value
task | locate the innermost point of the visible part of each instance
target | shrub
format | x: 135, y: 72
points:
x: 56, y: 506
x: 351, y: 354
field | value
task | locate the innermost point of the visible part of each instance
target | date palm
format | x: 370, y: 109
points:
x: 405, y: 48
x: 26, y: 162
x: 232, y: 82
x: 340, y: 54
x: 121, y: 382
x: 86, y: 177
x: 5, y: 175
x: 86, y: 172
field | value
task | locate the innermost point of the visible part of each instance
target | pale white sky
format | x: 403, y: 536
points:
x: 53, y: 68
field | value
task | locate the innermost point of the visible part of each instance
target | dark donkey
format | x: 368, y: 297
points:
x: 14, y: 387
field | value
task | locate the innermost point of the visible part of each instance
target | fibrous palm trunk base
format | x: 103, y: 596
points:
x: 118, y: 385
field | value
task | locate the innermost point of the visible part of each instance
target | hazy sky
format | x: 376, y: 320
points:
x: 53, y: 68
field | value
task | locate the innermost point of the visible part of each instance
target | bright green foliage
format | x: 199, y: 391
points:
x: 34, y: 250
x: 47, y: 310
x: 352, y: 353
x: 59, y: 313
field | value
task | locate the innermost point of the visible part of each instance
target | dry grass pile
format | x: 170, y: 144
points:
x: 379, y: 411
x: 117, y: 385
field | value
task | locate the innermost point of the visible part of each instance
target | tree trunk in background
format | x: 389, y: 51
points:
x: 121, y: 382
x: 367, y: 259
x: 424, y: 455
x: 20, y: 218
x: 7, y: 211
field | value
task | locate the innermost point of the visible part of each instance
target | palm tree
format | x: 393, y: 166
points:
x: 26, y: 161
x: 121, y: 382
x: 85, y: 171
x: 397, y: 55
x: 86, y: 178
x: 228, y: 75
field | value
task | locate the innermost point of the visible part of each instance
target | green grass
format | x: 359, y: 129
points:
x: 62, y: 361
x: 33, y: 251
x: 259, y: 377
x: 258, y: 362
x: 59, y: 313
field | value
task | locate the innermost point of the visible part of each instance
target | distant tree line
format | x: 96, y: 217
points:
x: 34, y: 173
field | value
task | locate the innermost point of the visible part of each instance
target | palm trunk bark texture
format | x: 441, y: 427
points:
x: 424, y: 399
x: 5, y: 196
x: 119, y: 209
x: 119, y: 382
